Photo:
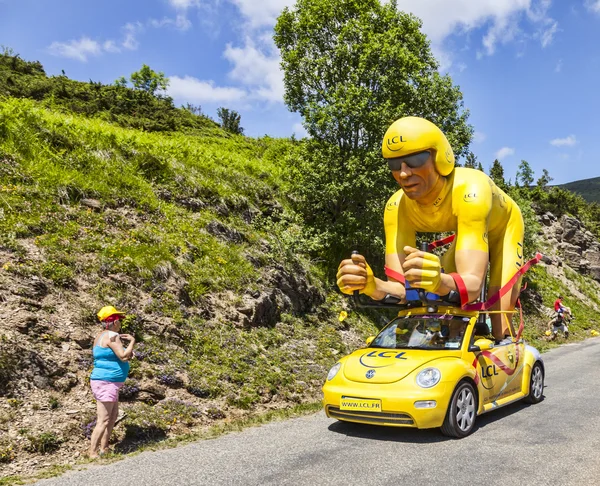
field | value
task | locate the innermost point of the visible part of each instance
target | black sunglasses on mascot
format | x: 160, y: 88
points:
x: 414, y: 161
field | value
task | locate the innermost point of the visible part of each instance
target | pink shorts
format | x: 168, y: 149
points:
x: 105, y: 391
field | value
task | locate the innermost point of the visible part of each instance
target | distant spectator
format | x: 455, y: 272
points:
x: 110, y: 371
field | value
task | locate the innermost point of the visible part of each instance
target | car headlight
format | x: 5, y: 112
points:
x: 333, y: 371
x: 428, y: 377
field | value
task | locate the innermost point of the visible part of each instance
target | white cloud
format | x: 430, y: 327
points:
x: 196, y: 91
x: 85, y: 47
x: 131, y: 30
x: 110, y: 46
x: 180, y: 22
x: 504, y: 152
x: 562, y: 142
x: 593, y: 5
x: 76, y: 49
x: 263, y: 12
x: 258, y: 70
x: 184, y: 4
x: 558, y: 67
x: 548, y: 35
x: 479, y: 137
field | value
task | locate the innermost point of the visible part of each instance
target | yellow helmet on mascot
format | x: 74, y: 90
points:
x: 412, y: 134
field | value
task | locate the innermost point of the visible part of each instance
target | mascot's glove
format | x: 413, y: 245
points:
x: 429, y: 276
x: 356, y: 274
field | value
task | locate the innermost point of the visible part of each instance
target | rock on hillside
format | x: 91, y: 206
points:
x: 572, y: 244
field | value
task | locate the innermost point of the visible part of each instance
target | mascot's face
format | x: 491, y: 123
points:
x: 417, y: 183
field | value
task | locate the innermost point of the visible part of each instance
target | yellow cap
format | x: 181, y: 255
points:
x: 108, y: 311
x: 412, y: 134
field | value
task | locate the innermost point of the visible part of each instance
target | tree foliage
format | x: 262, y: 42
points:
x: 544, y: 180
x: 230, y: 120
x: 150, y: 81
x: 350, y: 69
x: 471, y: 160
x: 497, y: 175
x: 525, y: 174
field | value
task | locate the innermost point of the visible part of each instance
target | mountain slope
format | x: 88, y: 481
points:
x: 589, y: 189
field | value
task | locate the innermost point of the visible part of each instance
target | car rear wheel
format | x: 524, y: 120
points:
x: 462, y: 411
x: 536, y: 384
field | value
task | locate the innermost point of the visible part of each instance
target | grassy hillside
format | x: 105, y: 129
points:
x: 589, y: 189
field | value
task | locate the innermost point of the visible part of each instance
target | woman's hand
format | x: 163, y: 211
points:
x: 127, y: 337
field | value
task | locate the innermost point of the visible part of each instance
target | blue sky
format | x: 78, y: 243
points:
x: 529, y: 69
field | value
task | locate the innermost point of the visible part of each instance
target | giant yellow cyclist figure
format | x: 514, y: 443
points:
x: 434, y: 197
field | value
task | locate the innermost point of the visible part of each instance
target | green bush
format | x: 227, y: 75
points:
x: 43, y: 443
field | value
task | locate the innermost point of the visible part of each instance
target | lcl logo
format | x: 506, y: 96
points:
x: 395, y: 141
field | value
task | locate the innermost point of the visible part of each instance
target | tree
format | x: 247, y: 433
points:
x: 350, y: 69
x: 230, y: 120
x: 544, y: 180
x: 471, y: 161
x: 148, y: 80
x: 122, y: 82
x: 193, y: 109
x: 524, y: 176
x: 497, y: 175
x: 480, y: 167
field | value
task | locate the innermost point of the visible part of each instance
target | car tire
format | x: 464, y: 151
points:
x: 462, y: 411
x: 536, y: 384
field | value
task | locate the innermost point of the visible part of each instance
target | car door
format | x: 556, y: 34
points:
x: 501, y: 370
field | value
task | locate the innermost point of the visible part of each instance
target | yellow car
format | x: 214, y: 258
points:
x: 432, y: 369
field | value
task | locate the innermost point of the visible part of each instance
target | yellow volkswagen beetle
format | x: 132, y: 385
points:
x: 432, y: 368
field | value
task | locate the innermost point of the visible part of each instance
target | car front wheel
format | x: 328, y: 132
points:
x: 536, y: 384
x: 462, y: 411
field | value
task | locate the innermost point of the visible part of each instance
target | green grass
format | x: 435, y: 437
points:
x: 146, y: 184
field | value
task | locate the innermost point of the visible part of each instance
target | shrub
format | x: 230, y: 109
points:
x: 129, y: 390
x: 88, y: 426
x: 170, y: 380
x: 43, y: 443
x: 7, y: 453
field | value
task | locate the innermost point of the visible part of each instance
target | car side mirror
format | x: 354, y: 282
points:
x: 370, y: 340
x: 481, y: 345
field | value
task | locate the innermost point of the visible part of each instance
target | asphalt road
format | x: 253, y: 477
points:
x: 556, y: 442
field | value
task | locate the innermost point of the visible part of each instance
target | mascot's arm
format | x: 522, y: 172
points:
x: 472, y: 204
x: 398, y: 234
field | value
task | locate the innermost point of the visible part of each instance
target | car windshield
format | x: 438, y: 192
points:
x: 435, y: 331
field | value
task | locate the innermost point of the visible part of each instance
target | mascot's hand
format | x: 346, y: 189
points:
x: 423, y: 270
x: 355, y: 274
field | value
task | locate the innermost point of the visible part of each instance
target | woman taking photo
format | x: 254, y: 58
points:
x: 110, y: 371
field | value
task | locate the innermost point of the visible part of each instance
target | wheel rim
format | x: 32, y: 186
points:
x: 465, y: 405
x: 537, y: 382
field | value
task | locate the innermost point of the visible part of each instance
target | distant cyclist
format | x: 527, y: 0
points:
x: 559, y: 308
x: 560, y: 320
